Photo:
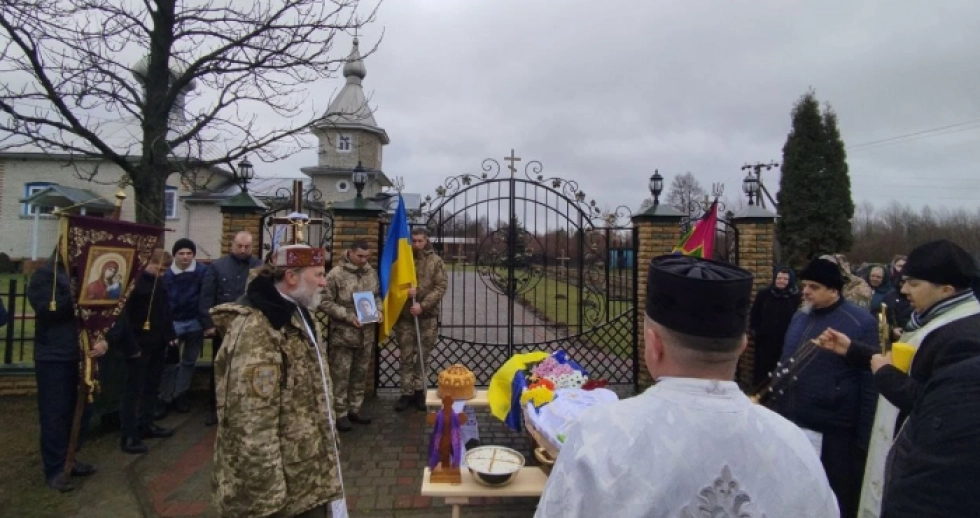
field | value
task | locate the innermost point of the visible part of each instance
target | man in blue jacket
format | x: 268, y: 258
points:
x: 183, y: 280
x: 832, y: 400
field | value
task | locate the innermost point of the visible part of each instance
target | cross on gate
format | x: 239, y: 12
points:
x: 512, y: 159
x: 297, y: 219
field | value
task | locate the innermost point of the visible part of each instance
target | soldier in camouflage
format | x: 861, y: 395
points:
x: 276, y: 449
x: 351, y: 342
x: 432, y: 284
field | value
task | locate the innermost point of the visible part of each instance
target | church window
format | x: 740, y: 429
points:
x: 344, y: 143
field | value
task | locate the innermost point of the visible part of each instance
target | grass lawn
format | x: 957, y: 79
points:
x: 559, y: 301
x: 23, y: 492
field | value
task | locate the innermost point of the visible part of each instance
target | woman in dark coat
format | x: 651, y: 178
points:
x: 772, y: 311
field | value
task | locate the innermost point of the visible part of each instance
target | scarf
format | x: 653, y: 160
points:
x: 791, y: 288
x: 455, y: 440
x: 920, y: 319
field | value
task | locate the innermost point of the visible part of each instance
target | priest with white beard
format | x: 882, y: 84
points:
x: 693, y: 444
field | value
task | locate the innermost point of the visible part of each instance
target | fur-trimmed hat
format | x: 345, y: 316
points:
x: 824, y: 271
x: 941, y: 262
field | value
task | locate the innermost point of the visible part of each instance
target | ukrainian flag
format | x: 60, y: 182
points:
x: 397, y: 269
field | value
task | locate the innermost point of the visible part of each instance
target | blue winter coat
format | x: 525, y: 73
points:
x: 829, y: 394
x: 184, y: 291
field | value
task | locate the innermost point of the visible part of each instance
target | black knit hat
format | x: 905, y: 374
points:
x: 941, y: 262
x: 183, y: 243
x: 698, y: 297
x: 823, y: 271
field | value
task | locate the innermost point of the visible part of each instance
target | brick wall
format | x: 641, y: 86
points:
x: 755, y: 243
x: 657, y: 236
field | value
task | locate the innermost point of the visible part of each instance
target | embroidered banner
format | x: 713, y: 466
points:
x: 103, y: 258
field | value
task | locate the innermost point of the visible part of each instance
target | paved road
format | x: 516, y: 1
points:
x: 474, y: 332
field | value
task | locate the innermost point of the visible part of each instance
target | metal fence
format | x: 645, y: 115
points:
x: 19, y: 331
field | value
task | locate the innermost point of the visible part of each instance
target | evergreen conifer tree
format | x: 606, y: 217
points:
x: 815, y: 206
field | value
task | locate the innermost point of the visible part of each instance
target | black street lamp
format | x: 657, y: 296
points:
x: 750, y: 186
x: 360, y: 178
x: 656, y: 186
x: 243, y: 174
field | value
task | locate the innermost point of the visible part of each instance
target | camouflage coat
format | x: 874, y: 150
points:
x: 343, y: 281
x: 431, y: 274
x: 276, y: 448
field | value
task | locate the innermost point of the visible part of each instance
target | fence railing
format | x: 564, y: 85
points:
x: 18, y: 335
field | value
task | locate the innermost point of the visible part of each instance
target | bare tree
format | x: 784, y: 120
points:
x: 684, y: 192
x: 72, y: 68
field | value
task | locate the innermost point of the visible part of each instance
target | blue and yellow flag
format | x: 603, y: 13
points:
x: 397, y: 269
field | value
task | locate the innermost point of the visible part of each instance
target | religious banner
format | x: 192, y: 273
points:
x: 103, y: 258
x: 699, y: 241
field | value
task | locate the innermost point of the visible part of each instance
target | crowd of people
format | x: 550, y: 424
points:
x: 841, y: 429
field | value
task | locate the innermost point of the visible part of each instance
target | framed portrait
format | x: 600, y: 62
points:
x: 106, y: 275
x: 367, y: 310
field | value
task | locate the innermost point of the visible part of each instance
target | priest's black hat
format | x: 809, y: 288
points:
x: 824, y: 271
x: 699, y: 297
x: 941, y: 262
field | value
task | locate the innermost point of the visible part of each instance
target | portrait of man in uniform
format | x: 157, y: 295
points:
x: 367, y: 312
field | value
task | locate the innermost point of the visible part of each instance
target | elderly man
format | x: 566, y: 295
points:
x: 223, y: 282
x: 432, y: 279
x: 351, y: 342
x: 821, y: 392
x: 276, y: 448
x: 693, y: 444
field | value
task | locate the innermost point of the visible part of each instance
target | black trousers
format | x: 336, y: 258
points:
x: 140, y: 389
x: 213, y: 397
x: 57, y: 388
x: 843, y: 461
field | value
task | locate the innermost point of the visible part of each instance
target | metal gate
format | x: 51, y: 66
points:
x: 532, y: 266
x: 276, y: 229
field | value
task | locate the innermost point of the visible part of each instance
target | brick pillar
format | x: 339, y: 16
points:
x: 238, y: 213
x: 756, y: 237
x: 353, y: 220
x: 657, y: 232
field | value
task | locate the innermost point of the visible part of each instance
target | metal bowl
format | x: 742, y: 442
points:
x: 494, y: 465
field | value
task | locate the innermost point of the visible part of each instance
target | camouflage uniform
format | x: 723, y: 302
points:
x: 350, y: 347
x: 431, y: 273
x: 276, y: 447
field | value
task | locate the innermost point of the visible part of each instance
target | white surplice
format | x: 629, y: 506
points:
x: 886, y: 415
x: 686, y: 448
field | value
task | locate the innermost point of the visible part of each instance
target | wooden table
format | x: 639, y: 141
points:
x: 529, y: 482
x: 432, y: 400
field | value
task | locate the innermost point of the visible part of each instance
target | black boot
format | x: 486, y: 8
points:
x: 133, y: 445
x: 81, y: 469
x: 181, y: 406
x: 403, y: 403
x: 61, y: 483
x: 161, y: 410
x: 357, y: 417
x: 153, y: 431
x: 343, y: 424
x: 212, y: 418
x: 419, y: 400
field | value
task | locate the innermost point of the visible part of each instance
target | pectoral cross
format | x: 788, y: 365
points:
x: 297, y: 220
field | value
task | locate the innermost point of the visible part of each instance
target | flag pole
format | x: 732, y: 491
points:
x: 421, y: 352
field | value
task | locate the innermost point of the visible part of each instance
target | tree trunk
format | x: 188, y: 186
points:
x: 149, y: 188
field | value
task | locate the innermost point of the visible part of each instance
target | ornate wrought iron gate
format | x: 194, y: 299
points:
x: 318, y: 231
x: 532, y: 266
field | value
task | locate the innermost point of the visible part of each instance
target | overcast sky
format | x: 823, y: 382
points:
x: 605, y: 92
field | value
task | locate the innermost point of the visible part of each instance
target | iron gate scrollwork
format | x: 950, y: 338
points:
x: 318, y: 232
x: 532, y: 266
